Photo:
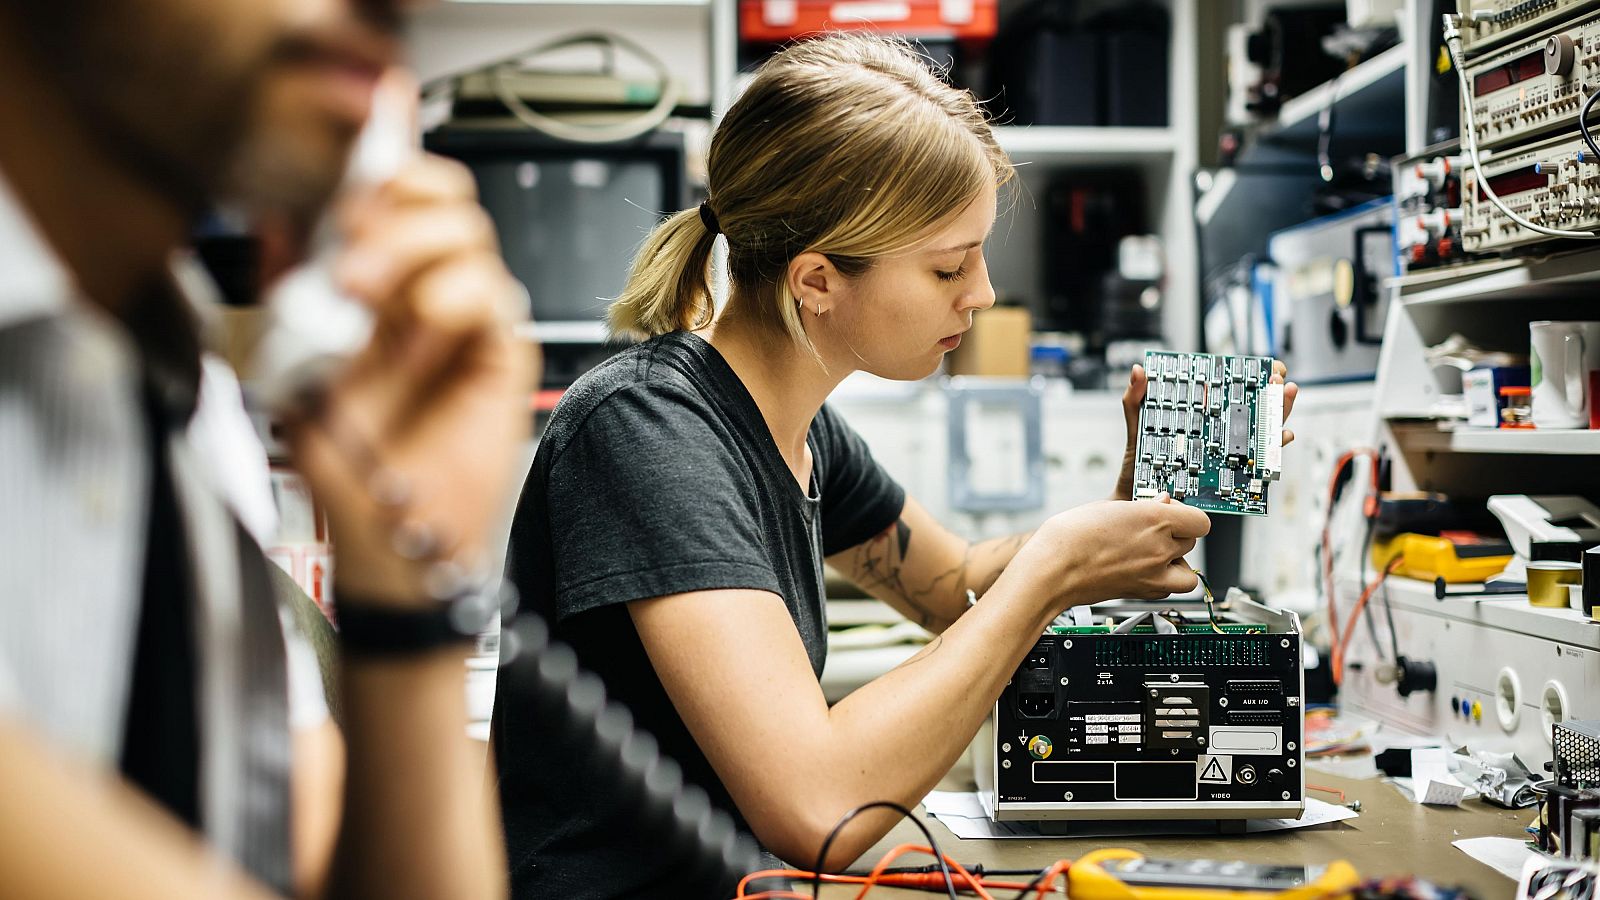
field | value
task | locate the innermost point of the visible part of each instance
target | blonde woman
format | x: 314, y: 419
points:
x: 686, y: 493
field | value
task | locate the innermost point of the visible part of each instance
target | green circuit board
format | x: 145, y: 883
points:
x: 1227, y: 628
x: 1210, y: 431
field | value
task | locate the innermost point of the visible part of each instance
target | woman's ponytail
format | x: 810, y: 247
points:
x: 668, y: 289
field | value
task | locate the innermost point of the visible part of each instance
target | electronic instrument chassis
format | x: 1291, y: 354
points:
x: 1169, y: 715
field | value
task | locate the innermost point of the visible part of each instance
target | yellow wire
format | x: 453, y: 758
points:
x: 1211, y: 600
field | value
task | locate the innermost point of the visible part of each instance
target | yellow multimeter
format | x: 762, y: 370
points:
x: 1126, y: 875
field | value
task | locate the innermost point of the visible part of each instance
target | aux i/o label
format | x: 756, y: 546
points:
x: 1215, y: 769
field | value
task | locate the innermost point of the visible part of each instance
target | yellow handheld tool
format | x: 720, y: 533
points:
x: 1126, y: 875
x: 1457, y: 557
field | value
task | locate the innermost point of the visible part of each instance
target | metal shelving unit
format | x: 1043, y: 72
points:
x: 1167, y: 156
x: 563, y: 332
x: 1529, y: 278
x: 1270, y: 185
x: 1365, y: 102
x: 1359, y: 96
x: 1490, y: 302
x: 695, y: 38
x: 1436, y: 438
x: 1064, y: 144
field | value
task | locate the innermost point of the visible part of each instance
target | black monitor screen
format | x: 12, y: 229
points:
x: 569, y: 227
x: 570, y: 217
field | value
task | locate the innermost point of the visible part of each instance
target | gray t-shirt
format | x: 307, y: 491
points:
x: 657, y: 475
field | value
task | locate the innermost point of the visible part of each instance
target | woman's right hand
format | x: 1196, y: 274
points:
x: 1110, y: 549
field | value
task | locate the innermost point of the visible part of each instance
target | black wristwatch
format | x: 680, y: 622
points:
x: 367, y: 628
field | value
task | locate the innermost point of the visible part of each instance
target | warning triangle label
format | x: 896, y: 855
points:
x: 1216, y: 769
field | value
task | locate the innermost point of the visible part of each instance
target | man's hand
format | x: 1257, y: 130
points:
x: 1133, y: 397
x: 437, y: 403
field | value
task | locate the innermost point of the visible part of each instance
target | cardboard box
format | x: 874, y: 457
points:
x: 998, y: 344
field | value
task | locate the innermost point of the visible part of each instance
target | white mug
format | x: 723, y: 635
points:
x: 1562, y: 355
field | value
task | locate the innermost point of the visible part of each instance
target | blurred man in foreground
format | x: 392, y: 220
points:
x: 144, y: 728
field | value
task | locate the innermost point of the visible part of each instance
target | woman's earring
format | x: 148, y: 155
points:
x: 819, y: 309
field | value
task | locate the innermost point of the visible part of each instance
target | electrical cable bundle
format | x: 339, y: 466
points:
x: 947, y: 876
x: 1337, y: 640
x: 668, y: 91
x: 1211, y: 603
x: 1053, y: 880
x: 1355, y: 612
x: 499, y: 79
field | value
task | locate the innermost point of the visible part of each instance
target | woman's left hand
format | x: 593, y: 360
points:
x: 1133, y: 397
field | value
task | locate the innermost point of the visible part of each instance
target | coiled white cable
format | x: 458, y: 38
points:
x: 585, y: 134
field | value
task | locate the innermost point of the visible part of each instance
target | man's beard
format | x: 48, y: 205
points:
x: 266, y: 175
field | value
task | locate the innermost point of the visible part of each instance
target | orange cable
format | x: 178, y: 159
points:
x: 934, y: 881
x: 786, y: 873
x: 1350, y: 624
x: 927, y: 881
x: 1047, y: 883
x: 1334, y: 662
x: 1326, y: 790
x: 903, y: 849
x: 1335, y: 643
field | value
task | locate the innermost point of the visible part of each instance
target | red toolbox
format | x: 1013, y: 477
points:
x: 775, y: 21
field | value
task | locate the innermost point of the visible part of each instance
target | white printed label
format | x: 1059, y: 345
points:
x: 1249, y: 740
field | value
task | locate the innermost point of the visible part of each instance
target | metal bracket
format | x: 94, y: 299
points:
x: 1027, y: 398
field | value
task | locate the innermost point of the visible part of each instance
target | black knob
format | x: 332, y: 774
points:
x: 1416, y: 675
x: 1274, y: 776
x: 1338, y: 329
x: 1258, y: 48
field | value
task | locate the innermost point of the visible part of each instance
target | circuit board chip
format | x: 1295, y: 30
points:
x: 1210, y: 431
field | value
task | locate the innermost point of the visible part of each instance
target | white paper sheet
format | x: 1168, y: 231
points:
x: 962, y: 812
x: 1443, y: 793
x: 1502, y: 854
x: 1408, y: 789
x: 1431, y: 780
